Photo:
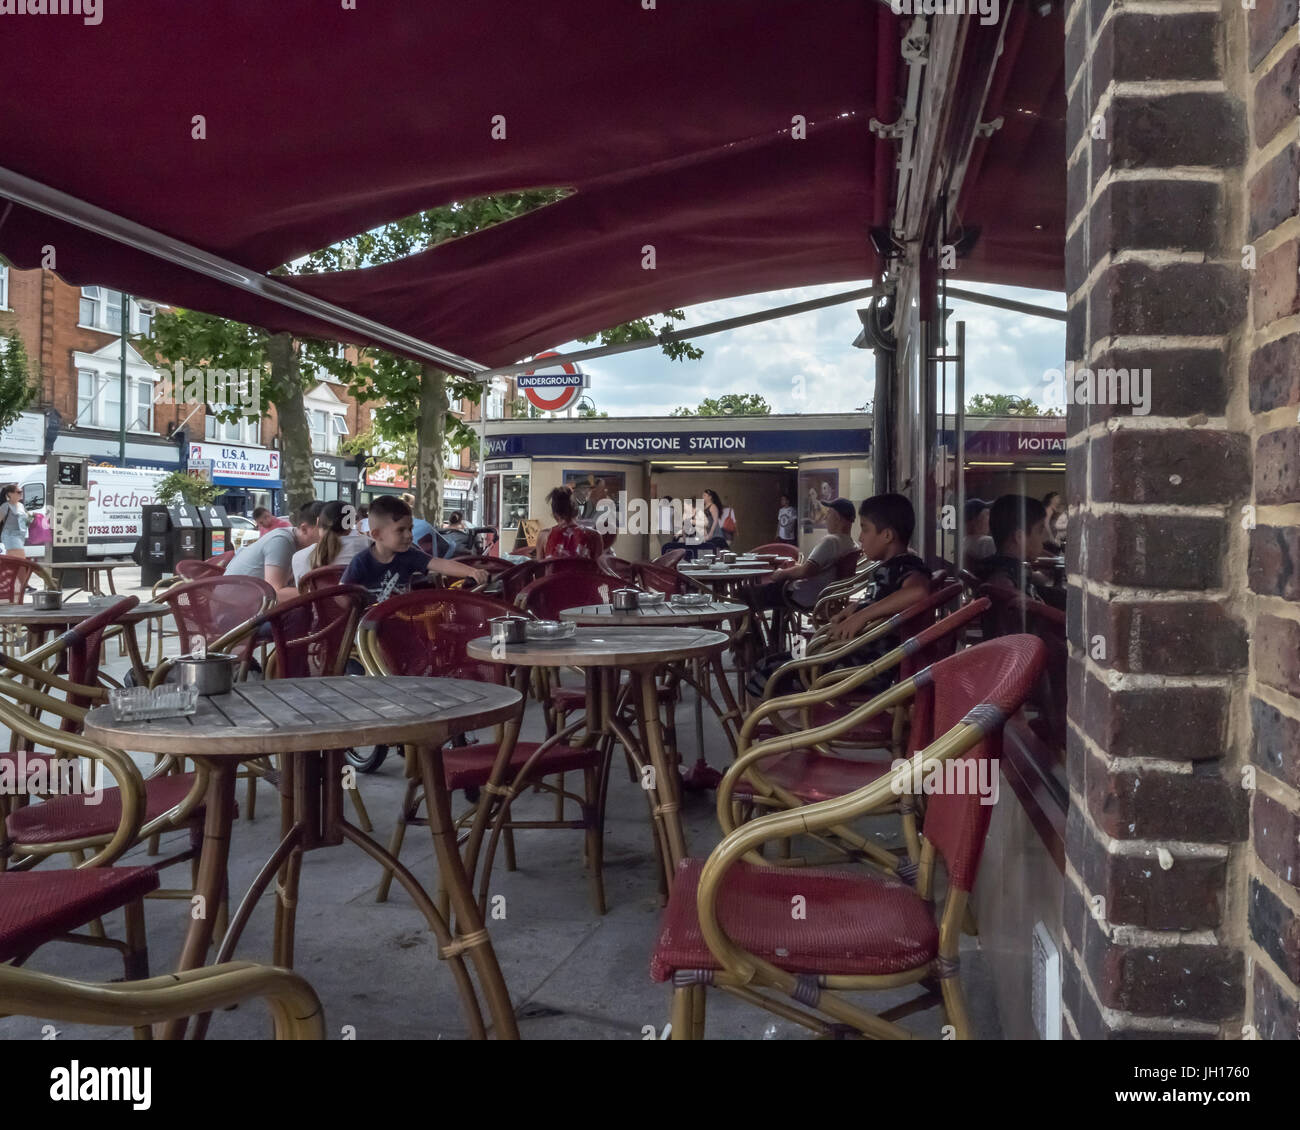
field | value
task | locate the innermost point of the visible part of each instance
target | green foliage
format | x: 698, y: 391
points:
x: 1004, y: 404
x: 644, y: 328
x: 182, y: 487
x: 18, y: 389
x: 733, y: 404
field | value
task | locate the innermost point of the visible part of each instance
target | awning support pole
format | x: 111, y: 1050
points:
x: 88, y: 217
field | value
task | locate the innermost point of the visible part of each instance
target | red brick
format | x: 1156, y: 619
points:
x: 1159, y: 551
x: 1277, y: 1015
x: 1276, y: 96
x: 1277, y: 838
x: 1174, y: 723
x: 1175, y: 215
x: 1273, y: 192
x: 1275, y: 370
x: 1277, y: 653
x: 1177, y: 298
x: 1167, y: 130
x: 1147, y: 804
x: 1275, y: 561
x: 1275, y: 284
x: 1168, y: 637
x: 1210, y: 466
x: 1140, y: 47
x: 1275, y: 928
x: 1277, y: 466
x: 1266, y: 23
x: 1275, y: 741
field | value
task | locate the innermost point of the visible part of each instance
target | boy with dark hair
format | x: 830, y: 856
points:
x: 1019, y: 527
x: 392, y: 554
x: 886, y: 522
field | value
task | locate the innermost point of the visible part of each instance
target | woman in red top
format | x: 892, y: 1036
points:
x: 566, y: 538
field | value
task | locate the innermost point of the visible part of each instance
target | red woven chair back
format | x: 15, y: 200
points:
x: 778, y: 549
x: 1007, y: 615
x: 546, y: 596
x: 625, y: 571
x: 570, y: 565
x: 1049, y: 695
x: 667, y: 581
x: 939, y: 640
x: 221, y: 560
x: 213, y: 606
x: 425, y: 632
x: 669, y: 559
x: 847, y: 564
x: 15, y: 576
x: 193, y: 569
x: 314, y: 633
x: 921, y: 615
x: 516, y: 577
x: 322, y: 578
x: 985, y: 684
x: 82, y: 646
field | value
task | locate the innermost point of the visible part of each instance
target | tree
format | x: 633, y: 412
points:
x: 1004, y: 404
x: 181, y: 486
x: 733, y: 404
x: 17, y: 388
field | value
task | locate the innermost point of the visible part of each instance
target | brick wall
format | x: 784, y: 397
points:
x: 1184, y: 615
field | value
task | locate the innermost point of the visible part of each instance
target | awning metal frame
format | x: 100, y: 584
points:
x: 89, y: 217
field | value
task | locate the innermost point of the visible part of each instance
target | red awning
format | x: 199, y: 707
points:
x: 672, y: 124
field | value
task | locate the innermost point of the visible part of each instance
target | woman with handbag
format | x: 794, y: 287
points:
x: 13, y: 521
x: 722, y: 522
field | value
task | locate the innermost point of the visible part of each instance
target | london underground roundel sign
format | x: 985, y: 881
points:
x: 552, y: 389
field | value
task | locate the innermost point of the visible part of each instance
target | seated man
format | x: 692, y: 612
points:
x: 391, y: 553
x: 270, y: 558
x: 265, y: 521
x: 801, y: 585
x: 1019, y: 527
x: 901, y: 578
x: 977, y: 544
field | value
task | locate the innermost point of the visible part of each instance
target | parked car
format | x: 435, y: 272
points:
x: 243, y: 531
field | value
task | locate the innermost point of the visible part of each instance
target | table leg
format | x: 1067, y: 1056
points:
x: 470, y: 932
x: 133, y: 650
x: 509, y: 735
x: 667, y: 798
x: 219, y: 803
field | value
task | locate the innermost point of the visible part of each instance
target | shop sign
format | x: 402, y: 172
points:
x: 250, y: 465
x: 324, y: 468
x: 388, y: 475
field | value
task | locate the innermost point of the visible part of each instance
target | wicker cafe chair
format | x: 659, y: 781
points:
x: 729, y: 923
x: 779, y: 549
x: 669, y: 559
x: 196, y: 570
x: 787, y: 619
x: 624, y: 571
x: 1049, y: 695
x: 220, y: 610
x: 426, y: 633
x: 796, y: 768
x: 493, y: 566
x: 295, y: 1008
x: 839, y: 592
x: 16, y: 574
x: 321, y: 578
x: 670, y: 582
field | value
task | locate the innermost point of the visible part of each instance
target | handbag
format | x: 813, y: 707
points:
x: 39, y: 532
x: 729, y: 522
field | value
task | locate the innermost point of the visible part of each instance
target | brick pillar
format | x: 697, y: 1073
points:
x: 1162, y: 172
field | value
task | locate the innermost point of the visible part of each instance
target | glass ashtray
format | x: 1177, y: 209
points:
x: 547, y: 630
x: 137, y: 704
x: 692, y: 599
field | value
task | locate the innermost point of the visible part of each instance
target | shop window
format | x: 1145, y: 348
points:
x: 514, y: 500
x: 99, y: 401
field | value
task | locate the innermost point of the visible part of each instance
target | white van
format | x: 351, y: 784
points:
x: 116, y: 496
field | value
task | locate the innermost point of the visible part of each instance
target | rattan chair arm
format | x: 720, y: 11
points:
x: 294, y: 1005
x: 123, y: 770
x: 46, y: 576
x: 53, y: 682
x: 849, y: 679
x: 21, y: 692
x: 799, y: 739
x: 746, y: 839
x: 164, y: 584
x: 822, y: 658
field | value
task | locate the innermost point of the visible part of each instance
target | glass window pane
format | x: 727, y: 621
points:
x: 514, y: 500
x: 85, y: 398
x: 111, y: 399
x: 210, y: 427
x: 340, y: 426
x: 86, y: 316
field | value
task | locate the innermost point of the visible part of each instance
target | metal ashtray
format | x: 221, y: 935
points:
x: 507, y: 629
x: 545, y: 631
x: 649, y: 599
x: 213, y: 673
x: 625, y: 600
x: 728, y: 558
x: 51, y: 600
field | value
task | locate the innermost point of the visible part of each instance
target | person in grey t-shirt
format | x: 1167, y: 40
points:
x: 270, y: 558
x: 806, y: 580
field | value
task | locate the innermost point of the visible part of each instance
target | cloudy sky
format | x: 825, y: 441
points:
x: 1007, y: 352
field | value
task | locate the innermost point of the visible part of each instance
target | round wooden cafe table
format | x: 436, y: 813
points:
x: 602, y: 654
x: 699, y: 672
x: 312, y: 721
x: 41, y: 622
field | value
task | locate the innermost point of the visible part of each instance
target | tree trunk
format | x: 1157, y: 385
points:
x: 431, y: 436
x: 295, y: 434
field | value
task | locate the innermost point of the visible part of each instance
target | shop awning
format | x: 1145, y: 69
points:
x: 674, y: 125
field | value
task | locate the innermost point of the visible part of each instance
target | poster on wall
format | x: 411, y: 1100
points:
x: 590, y: 488
x: 816, y: 489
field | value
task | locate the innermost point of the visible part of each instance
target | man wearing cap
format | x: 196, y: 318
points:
x: 978, y: 543
x: 806, y: 580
